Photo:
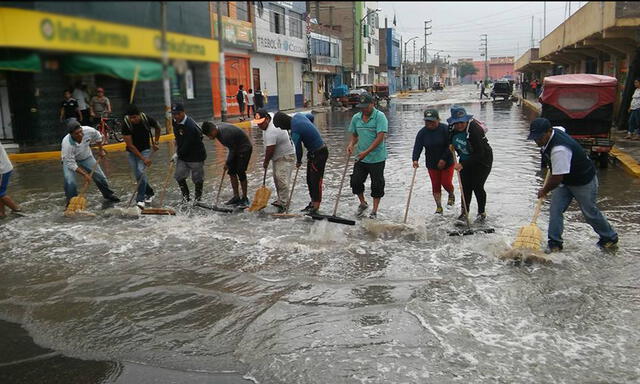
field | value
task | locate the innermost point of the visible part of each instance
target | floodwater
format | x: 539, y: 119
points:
x: 208, y: 297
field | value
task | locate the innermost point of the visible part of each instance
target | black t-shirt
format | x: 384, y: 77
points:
x: 240, y: 96
x: 140, y: 133
x: 70, y: 108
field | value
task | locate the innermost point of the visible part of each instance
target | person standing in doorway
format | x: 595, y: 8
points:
x: 241, y: 98
x: 368, y: 129
x: 190, y: 152
x: 251, y: 109
x: 140, y: 141
x: 69, y: 108
x: 6, y: 168
x: 278, y: 147
x: 634, y: 113
x: 573, y: 175
x: 82, y: 97
x: 434, y: 138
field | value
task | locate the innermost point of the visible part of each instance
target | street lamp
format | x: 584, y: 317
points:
x: 360, y: 37
x: 404, y: 81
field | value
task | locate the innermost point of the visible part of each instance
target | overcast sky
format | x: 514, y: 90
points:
x: 456, y: 26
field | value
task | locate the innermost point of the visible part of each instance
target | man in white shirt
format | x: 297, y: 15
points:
x: 78, y: 158
x: 6, y: 168
x: 280, y: 150
x: 82, y: 97
x: 634, y: 113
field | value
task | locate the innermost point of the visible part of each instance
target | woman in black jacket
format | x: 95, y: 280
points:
x: 475, y: 158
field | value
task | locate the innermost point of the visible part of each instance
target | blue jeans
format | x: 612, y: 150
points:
x: 138, y: 171
x: 634, y: 121
x: 586, y: 197
x: 70, y: 188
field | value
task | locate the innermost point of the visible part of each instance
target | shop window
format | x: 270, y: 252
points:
x: 334, y: 50
x: 295, y: 25
x: 276, y: 20
x: 242, y: 10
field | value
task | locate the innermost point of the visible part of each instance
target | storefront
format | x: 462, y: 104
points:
x: 64, y: 50
x: 326, y: 58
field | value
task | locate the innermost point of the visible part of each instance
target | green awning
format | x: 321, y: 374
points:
x: 120, y: 67
x: 27, y: 62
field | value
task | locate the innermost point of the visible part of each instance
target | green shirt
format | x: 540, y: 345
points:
x: 459, y: 141
x: 367, y: 133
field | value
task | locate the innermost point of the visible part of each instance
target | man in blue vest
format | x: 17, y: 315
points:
x: 573, y: 175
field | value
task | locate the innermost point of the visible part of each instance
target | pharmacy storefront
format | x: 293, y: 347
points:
x: 42, y: 54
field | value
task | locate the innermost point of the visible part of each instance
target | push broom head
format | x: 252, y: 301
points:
x: 261, y: 199
x: 529, y: 237
x: 77, y: 203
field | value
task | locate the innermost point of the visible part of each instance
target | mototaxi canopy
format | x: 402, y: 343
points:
x: 577, y: 95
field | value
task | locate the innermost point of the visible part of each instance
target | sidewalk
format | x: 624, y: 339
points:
x: 625, y: 152
x: 51, y: 153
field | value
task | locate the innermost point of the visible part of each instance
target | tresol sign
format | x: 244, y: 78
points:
x: 40, y: 30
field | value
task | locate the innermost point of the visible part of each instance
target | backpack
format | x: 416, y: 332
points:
x: 240, y: 96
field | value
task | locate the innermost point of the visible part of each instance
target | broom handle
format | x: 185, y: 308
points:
x: 135, y: 192
x: 406, y: 210
x: 536, y: 213
x: 166, y: 184
x: 464, y: 203
x: 224, y: 171
x: 292, y: 187
x: 264, y: 178
x: 85, y: 187
x: 344, y: 174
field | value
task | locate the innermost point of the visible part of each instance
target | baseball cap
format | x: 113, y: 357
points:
x: 100, y: 90
x: 431, y: 115
x: 365, y: 100
x: 538, y: 127
x: 175, y: 108
x: 260, y: 115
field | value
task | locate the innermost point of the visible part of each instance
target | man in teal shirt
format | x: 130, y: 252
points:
x: 368, y: 129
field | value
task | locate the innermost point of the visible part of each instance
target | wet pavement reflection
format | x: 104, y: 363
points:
x: 298, y: 301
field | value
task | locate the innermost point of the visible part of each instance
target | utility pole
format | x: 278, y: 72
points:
x: 427, y: 27
x: 483, y: 44
x: 223, y: 80
x: 166, y: 85
x: 414, y: 52
x: 353, y: 85
x: 544, y: 29
x: 531, y: 31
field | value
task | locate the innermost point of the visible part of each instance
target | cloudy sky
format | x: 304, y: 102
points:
x: 456, y: 26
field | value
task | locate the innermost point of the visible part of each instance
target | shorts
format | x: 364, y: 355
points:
x: 4, y: 183
x: 361, y: 171
x: 239, y: 162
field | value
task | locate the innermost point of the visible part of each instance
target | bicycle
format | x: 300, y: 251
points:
x: 110, y: 128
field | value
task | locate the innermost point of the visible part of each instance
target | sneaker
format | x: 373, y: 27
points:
x: 140, y: 204
x: 439, y: 211
x: 452, y: 200
x: 608, y: 244
x: 361, y: 209
x: 462, y: 218
x: 148, y: 200
x: 313, y: 211
x: 480, y: 219
x: 308, y: 208
x: 373, y: 215
x: 244, y: 202
x: 552, y: 249
x: 277, y: 204
x: 113, y: 199
x: 234, y: 201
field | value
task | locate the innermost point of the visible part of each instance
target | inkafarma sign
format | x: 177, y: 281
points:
x: 40, y: 30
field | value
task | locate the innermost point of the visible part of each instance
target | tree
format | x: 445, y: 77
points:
x: 466, y: 68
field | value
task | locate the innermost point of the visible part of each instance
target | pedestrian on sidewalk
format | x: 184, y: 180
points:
x: 82, y: 97
x: 251, y: 108
x: 69, y: 108
x: 241, y: 98
x: 573, y: 175
x: 99, y: 106
x: 6, y: 168
x: 190, y: 153
x: 278, y: 147
x: 482, y: 88
x: 368, y: 129
x: 303, y: 131
x: 136, y: 132
x: 434, y: 138
x: 78, y: 158
x: 634, y: 113
x: 239, y: 145
x: 258, y: 99
x: 475, y: 160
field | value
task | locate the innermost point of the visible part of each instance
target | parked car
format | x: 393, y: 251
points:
x: 437, y: 86
x: 354, y: 96
x: 501, y: 88
x: 583, y: 105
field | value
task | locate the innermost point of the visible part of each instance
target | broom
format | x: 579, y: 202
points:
x: 79, y: 203
x: 261, y: 198
x: 162, y: 211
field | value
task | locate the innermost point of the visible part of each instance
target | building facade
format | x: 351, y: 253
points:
x: 325, y: 69
x: 390, y: 57
x: 104, y: 45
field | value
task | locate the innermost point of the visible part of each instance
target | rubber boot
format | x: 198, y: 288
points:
x: 184, y: 188
x: 198, y: 191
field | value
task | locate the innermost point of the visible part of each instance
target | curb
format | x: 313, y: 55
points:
x: 116, y: 147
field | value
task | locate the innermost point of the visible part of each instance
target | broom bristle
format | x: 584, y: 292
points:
x: 261, y: 199
x: 529, y: 237
x: 76, y: 203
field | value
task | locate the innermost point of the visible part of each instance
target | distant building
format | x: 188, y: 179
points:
x: 390, y: 57
x: 499, y: 68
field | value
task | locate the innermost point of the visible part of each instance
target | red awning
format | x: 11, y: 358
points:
x: 580, y: 79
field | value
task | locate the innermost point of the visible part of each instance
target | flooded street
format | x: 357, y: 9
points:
x: 298, y: 301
